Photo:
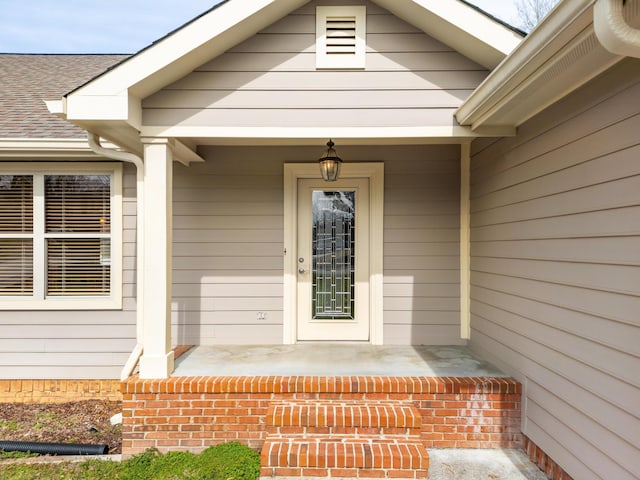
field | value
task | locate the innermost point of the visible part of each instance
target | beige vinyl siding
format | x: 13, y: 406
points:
x: 271, y: 79
x: 556, y: 273
x: 228, y: 243
x: 422, y: 246
x: 76, y: 344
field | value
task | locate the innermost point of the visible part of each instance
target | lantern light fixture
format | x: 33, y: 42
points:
x: 330, y: 164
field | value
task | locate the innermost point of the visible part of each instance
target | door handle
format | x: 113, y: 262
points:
x: 301, y: 270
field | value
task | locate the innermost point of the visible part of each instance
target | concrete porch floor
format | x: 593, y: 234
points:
x: 333, y: 360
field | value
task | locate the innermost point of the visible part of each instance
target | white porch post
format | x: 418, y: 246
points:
x: 465, y: 241
x: 157, y: 358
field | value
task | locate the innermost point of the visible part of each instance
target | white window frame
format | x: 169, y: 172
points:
x: 39, y: 301
x: 338, y: 62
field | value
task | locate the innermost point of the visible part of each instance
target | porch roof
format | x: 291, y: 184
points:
x: 111, y: 104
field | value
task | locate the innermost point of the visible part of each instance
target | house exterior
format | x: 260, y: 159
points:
x: 489, y: 197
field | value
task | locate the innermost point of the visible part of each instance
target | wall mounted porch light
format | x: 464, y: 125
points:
x: 330, y: 164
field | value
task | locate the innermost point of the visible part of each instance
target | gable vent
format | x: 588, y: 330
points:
x: 340, y: 37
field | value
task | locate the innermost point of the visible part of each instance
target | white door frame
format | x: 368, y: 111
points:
x: 375, y: 173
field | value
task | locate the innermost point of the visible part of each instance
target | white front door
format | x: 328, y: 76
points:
x: 333, y: 260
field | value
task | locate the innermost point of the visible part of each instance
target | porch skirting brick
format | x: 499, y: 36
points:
x: 551, y: 469
x: 192, y: 413
x: 58, y: 391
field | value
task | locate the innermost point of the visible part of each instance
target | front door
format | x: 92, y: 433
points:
x: 333, y: 260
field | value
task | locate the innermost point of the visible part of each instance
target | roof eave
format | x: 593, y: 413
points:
x: 559, y: 56
x: 474, y: 34
x: 186, y: 48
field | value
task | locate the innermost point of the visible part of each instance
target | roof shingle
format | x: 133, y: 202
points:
x: 26, y: 81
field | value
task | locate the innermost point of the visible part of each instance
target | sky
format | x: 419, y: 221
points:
x: 117, y: 26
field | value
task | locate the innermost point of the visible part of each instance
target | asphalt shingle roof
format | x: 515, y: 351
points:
x: 26, y: 81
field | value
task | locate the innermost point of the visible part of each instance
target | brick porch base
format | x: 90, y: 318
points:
x: 58, y: 391
x: 192, y: 413
x: 551, y: 469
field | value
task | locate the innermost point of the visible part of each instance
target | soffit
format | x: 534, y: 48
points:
x: 559, y: 56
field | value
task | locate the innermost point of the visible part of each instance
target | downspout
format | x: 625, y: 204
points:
x: 94, y: 144
x: 612, y: 30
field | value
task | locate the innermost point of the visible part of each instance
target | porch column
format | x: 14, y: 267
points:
x: 157, y: 357
x: 465, y: 241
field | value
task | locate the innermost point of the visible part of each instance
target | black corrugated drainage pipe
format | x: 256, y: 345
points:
x: 54, y: 448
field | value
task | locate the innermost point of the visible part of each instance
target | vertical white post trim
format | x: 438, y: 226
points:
x: 376, y: 252
x: 39, y: 248
x: 116, y: 234
x: 157, y: 359
x: 290, y: 304
x: 465, y: 240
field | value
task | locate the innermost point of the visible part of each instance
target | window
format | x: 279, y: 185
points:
x: 60, y: 236
x: 340, y: 37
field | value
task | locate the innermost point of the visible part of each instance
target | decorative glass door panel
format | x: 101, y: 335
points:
x: 333, y: 250
x: 333, y: 298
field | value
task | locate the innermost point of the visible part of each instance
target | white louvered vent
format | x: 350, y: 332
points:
x: 340, y: 37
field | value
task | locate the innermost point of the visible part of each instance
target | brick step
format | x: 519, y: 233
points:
x: 343, y: 439
x: 373, y: 457
x: 350, y: 414
x: 340, y: 431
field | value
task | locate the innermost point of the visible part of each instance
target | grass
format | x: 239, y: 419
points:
x: 8, y: 455
x: 9, y: 425
x: 231, y: 461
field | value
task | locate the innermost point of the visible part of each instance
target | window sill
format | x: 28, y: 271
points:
x: 61, y: 304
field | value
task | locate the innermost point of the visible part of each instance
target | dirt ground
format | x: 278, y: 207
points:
x: 86, y: 422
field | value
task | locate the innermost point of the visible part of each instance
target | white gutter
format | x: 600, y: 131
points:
x: 612, y: 30
x: 94, y: 144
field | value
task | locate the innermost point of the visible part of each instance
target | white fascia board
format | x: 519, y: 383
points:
x: 311, y: 136
x: 185, y: 49
x: 463, y: 28
x: 122, y: 107
x: 567, y: 22
x: 57, y: 107
x: 46, y: 148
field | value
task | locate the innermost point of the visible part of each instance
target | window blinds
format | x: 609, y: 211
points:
x: 16, y: 218
x: 60, y: 246
x: 77, y: 205
x: 16, y: 203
